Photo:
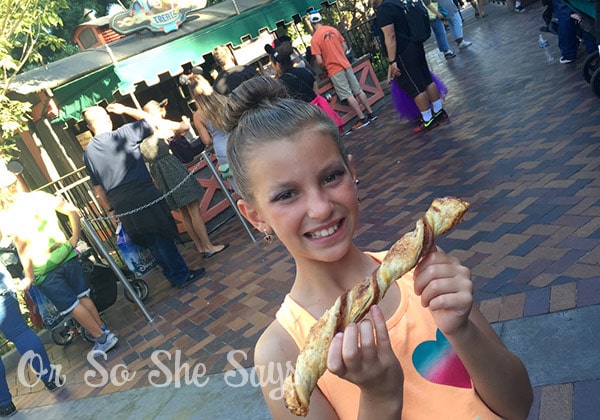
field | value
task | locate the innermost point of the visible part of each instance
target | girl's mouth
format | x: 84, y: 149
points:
x: 323, y: 233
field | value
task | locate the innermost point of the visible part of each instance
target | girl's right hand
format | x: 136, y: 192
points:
x: 363, y: 355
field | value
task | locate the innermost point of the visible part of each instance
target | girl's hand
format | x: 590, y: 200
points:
x: 445, y: 288
x: 363, y: 355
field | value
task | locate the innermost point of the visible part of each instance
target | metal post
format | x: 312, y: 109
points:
x: 217, y: 175
x: 91, y: 234
x: 237, y: 10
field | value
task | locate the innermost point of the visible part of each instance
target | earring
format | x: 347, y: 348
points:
x: 268, y: 237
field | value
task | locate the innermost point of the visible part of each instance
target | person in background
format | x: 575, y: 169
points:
x: 49, y: 258
x: 568, y: 36
x: 230, y: 74
x: 329, y: 47
x: 14, y: 328
x: 300, y: 82
x: 437, y: 25
x: 123, y: 184
x: 311, y: 205
x: 448, y: 10
x: 408, y: 65
x: 208, y: 121
x: 168, y: 173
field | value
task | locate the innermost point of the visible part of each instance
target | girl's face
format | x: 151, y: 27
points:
x: 303, y: 191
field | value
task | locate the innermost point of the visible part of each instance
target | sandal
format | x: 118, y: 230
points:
x: 210, y: 254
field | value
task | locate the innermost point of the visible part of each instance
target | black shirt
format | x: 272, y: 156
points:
x: 299, y: 82
x: 389, y: 13
x: 229, y: 79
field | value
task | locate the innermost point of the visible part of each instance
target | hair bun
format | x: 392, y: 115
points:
x: 253, y: 95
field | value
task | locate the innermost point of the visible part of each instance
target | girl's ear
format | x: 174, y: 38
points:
x: 251, y: 214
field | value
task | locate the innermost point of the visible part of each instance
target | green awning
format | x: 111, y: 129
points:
x: 216, y: 28
x: 75, y: 96
x: 169, y: 58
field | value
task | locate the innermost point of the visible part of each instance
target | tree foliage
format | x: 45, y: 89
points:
x: 25, y: 28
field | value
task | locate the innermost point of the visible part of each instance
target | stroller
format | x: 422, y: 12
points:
x: 589, y: 11
x: 103, y: 292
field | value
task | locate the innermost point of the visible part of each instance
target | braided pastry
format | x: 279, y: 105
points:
x: 352, y: 306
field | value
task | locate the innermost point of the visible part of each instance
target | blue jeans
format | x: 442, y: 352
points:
x: 567, y: 33
x: 15, y: 329
x: 455, y: 24
x: 165, y: 252
x: 65, y: 285
x: 437, y: 26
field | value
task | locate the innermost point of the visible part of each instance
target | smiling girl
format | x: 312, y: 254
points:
x: 297, y: 181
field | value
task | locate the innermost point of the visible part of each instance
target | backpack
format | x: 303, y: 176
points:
x: 417, y: 20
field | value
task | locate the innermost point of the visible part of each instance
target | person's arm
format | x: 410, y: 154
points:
x: 498, y: 376
x: 390, y: 45
x: 72, y: 212
x: 319, y: 60
x: 203, y: 133
x: 315, y: 87
x: 157, y: 123
x: 28, y: 276
x: 434, y: 10
x: 276, y: 352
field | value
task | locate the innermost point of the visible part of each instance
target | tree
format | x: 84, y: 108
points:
x: 25, y: 28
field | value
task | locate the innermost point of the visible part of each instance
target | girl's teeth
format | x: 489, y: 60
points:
x: 324, y: 232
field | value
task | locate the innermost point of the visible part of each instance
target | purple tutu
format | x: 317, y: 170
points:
x: 405, y: 105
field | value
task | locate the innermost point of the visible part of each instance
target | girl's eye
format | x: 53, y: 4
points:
x: 333, y: 176
x: 284, y: 196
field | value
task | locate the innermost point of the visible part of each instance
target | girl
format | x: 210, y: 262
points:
x: 304, y: 191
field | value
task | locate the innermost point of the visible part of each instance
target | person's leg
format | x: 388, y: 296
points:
x: 5, y: 396
x: 590, y: 43
x: 358, y: 92
x: 190, y: 229
x: 342, y: 88
x: 87, y: 320
x: 440, y: 35
x: 567, y: 31
x: 456, y: 29
x: 90, y: 306
x: 193, y: 210
x: 167, y: 255
x: 14, y: 328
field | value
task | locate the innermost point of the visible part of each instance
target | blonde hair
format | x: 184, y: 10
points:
x: 210, y: 103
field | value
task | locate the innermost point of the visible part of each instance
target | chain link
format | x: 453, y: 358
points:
x: 153, y: 202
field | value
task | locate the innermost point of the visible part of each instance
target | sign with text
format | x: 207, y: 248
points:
x: 156, y: 15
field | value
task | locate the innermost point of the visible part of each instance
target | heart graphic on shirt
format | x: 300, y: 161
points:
x: 437, y: 362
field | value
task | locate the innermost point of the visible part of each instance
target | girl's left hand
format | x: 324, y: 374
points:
x: 445, y: 288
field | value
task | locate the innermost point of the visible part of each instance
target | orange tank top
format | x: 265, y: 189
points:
x: 436, y: 384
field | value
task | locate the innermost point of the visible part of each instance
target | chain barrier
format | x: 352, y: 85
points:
x: 153, y: 202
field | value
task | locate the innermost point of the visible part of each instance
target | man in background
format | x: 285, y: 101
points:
x: 329, y: 48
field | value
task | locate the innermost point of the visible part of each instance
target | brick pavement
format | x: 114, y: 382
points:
x: 522, y: 147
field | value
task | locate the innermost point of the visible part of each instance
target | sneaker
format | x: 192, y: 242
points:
x: 361, y: 124
x: 441, y: 115
x: 449, y: 54
x: 54, y: 384
x: 465, y: 44
x: 372, y: 117
x: 564, y: 60
x: 109, y: 342
x: 425, y: 126
x: 194, y: 275
x: 8, y: 410
x: 519, y: 9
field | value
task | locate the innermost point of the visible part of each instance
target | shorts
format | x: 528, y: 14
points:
x: 65, y: 285
x: 345, y: 84
x: 414, y: 71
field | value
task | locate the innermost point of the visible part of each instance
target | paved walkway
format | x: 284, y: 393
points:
x: 522, y: 147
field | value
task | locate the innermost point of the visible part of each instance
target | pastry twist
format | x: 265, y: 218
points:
x: 352, y: 306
